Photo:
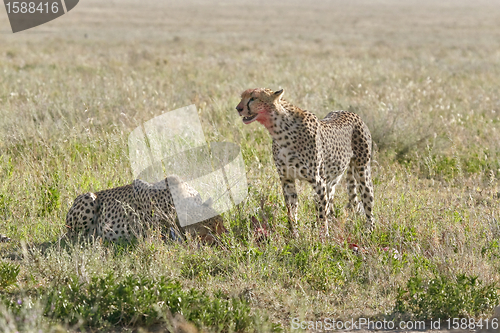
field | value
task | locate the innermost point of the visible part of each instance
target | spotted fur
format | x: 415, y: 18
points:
x: 313, y: 150
x: 125, y: 212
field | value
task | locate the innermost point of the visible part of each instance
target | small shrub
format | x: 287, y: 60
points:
x: 476, y: 163
x: 8, y: 274
x: 322, y: 267
x: 137, y: 300
x: 5, y: 202
x: 201, y: 266
x: 50, y: 200
x: 447, y: 168
x: 442, y: 297
x: 491, y: 249
x: 22, y: 314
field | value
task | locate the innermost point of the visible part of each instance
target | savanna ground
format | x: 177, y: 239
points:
x: 425, y: 78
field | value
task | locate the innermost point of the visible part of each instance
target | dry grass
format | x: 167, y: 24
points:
x: 423, y: 76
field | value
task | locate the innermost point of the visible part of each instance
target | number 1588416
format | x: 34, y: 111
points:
x: 22, y: 7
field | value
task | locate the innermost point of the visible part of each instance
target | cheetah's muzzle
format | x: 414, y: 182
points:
x: 248, y: 120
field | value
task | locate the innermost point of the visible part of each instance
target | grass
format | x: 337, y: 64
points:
x: 443, y: 298
x: 424, y: 78
x: 141, y: 301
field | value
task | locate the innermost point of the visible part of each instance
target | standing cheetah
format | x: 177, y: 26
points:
x: 317, y: 151
x: 125, y: 212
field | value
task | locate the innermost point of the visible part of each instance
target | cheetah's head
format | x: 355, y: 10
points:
x: 209, y: 229
x: 259, y: 104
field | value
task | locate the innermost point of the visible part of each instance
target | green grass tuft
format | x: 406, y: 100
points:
x: 444, y: 297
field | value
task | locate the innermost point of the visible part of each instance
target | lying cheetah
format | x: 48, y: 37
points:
x: 125, y: 212
x: 317, y: 151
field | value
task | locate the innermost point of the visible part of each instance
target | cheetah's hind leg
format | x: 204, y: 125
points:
x: 362, y: 173
x: 354, y: 204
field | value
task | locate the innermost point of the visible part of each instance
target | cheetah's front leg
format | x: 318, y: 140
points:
x: 290, y: 194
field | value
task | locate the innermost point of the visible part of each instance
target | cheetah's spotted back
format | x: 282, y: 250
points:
x: 125, y: 212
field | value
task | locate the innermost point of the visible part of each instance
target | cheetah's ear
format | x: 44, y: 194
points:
x: 278, y: 94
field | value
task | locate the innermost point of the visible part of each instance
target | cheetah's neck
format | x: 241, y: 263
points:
x: 286, y: 122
